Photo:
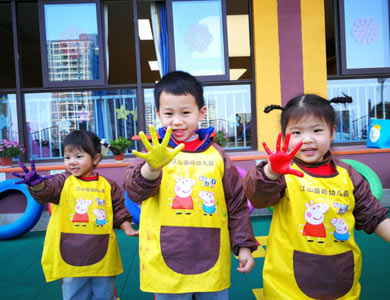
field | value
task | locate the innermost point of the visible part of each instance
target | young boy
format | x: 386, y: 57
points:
x: 194, y: 209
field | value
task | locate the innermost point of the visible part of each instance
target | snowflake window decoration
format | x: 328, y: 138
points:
x: 365, y: 31
x: 198, y: 38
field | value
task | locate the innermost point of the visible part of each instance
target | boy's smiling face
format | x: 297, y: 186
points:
x: 181, y: 113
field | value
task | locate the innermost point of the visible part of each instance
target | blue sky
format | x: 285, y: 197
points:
x: 67, y: 19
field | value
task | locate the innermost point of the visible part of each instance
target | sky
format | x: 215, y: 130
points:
x: 66, y: 21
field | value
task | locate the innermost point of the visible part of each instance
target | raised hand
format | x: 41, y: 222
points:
x: 158, y: 155
x: 31, y: 178
x: 280, y: 159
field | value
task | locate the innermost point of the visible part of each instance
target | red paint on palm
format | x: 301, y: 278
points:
x: 280, y: 160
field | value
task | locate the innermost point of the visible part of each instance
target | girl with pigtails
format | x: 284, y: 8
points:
x: 318, y: 200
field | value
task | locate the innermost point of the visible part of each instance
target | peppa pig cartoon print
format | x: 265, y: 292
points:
x: 81, y: 212
x: 101, y: 219
x: 314, y: 216
x: 183, y: 199
x: 208, y: 202
x: 341, y: 230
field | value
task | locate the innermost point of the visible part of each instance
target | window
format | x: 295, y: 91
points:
x: 51, y: 116
x: 71, y: 45
x: 119, y: 42
x: 8, y: 117
x: 239, y: 46
x: 199, y: 31
x: 7, y: 62
x: 359, y: 64
x: 92, y: 64
x: 228, y: 110
x: 29, y: 45
x: 364, y: 28
x: 152, y: 39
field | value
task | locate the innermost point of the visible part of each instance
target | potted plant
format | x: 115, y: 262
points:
x: 221, y: 138
x: 119, y: 146
x: 8, y: 150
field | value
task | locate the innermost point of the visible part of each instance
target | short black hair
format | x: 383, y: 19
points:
x: 179, y: 83
x: 86, y: 140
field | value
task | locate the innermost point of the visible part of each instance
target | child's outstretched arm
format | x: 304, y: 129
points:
x: 279, y: 161
x: 158, y: 155
x: 31, y: 178
x: 246, y: 260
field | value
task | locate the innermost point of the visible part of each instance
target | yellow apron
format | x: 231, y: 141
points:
x: 80, y: 239
x: 311, y: 251
x: 184, y: 237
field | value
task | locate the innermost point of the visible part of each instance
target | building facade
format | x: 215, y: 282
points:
x: 92, y: 64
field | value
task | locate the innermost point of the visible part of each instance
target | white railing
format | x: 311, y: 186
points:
x: 371, y: 99
x: 51, y: 116
x: 228, y: 109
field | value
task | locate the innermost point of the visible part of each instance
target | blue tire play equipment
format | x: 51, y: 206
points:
x: 30, y: 217
x: 133, y: 208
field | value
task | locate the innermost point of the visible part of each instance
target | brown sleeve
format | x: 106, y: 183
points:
x: 120, y: 212
x: 137, y: 187
x: 240, y: 226
x: 52, y: 189
x: 368, y: 211
x: 261, y: 191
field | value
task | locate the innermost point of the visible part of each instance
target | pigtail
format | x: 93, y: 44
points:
x: 271, y: 107
x: 342, y: 100
x: 108, y: 146
x: 104, y: 143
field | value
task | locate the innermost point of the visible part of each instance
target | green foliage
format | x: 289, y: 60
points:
x: 10, y: 148
x: 120, y: 144
x: 221, y: 138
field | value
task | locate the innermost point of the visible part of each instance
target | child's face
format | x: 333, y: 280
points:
x: 181, y: 113
x: 79, y: 162
x: 315, y: 135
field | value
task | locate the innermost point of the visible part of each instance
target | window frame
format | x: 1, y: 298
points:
x: 139, y: 86
x: 42, y: 29
x: 171, y: 44
x: 341, y: 72
x: 343, y: 52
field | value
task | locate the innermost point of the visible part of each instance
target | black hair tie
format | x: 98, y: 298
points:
x: 345, y: 99
x: 271, y: 107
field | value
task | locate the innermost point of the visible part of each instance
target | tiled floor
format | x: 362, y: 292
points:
x: 21, y: 275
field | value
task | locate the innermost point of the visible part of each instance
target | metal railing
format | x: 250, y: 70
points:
x: 228, y: 109
x: 108, y: 115
x: 371, y: 99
